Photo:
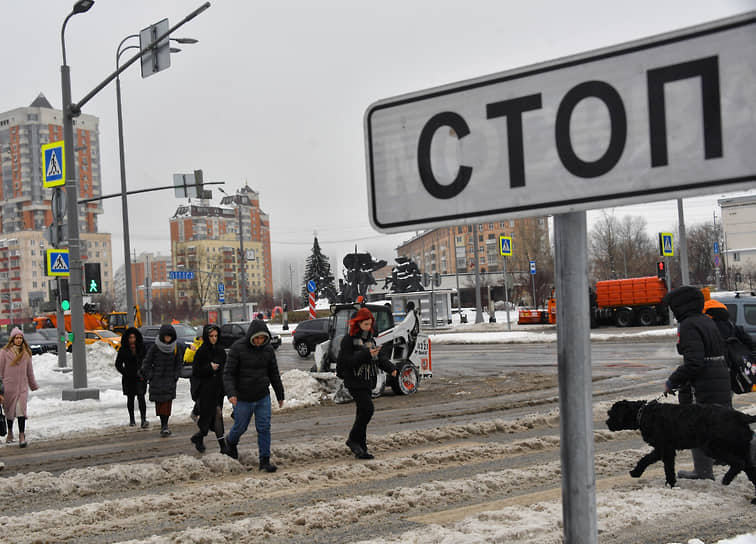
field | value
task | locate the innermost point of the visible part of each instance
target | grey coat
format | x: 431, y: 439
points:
x: 161, y: 370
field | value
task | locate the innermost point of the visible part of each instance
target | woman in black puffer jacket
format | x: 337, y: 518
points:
x: 161, y: 370
x: 128, y: 363
x: 207, y: 369
x: 704, y: 367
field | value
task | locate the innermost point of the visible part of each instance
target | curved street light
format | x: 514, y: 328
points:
x: 130, y: 305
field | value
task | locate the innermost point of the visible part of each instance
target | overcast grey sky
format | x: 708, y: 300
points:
x: 274, y: 94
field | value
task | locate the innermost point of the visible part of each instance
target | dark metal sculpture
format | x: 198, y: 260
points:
x: 358, y: 275
x: 405, y: 277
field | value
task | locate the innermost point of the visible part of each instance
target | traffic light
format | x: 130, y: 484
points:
x: 92, y: 279
x: 65, y: 303
x: 661, y: 270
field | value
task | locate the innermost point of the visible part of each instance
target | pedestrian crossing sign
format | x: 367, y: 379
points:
x: 505, y: 246
x: 53, y: 165
x: 58, y: 262
x: 666, y: 247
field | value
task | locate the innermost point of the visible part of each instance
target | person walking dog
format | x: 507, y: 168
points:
x: 207, y: 370
x: 161, y: 370
x: 703, y: 377
x: 128, y: 363
x: 17, y: 374
x: 361, y: 359
x: 250, y: 370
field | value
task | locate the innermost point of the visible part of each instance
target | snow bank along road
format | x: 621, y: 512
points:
x: 472, y: 459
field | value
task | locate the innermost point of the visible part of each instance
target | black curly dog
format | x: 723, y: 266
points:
x: 722, y: 433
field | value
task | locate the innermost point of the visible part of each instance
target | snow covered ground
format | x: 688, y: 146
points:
x: 618, y: 509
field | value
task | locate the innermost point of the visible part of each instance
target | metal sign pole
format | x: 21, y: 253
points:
x: 574, y: 367
x: 506, y: 297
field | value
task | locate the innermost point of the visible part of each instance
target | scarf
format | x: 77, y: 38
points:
x: 366, y: 371
x: 165, y: 348
x: 18, y: 352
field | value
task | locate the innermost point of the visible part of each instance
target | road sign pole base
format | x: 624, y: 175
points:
x: 81, y: 394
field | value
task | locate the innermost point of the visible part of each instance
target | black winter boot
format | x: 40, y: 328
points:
x: 231, y: 450
x: 222, y: 445
x: 198, y: 443
x: 266, y: 465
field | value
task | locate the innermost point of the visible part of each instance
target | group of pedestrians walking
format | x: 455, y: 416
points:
x: 244, y: 376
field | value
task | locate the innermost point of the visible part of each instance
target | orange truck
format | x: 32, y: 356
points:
x: 622, y: 302
x: 631, y: 301
x: 50, y: 321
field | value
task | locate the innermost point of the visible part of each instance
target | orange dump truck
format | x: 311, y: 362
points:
x: 50, y: 321
x: 623, y: 302
x: 631, y: 301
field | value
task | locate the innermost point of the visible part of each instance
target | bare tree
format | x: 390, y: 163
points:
x: 701, y: 240
x: 620, y: 248
x: 209, y: 270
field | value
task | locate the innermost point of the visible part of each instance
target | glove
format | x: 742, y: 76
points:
x: 669, y: 389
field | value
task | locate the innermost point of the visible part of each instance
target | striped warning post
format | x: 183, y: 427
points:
x: 312, y: 305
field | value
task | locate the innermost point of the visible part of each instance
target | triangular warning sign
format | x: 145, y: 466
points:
x: 53, y: 168
x: 60, y: 264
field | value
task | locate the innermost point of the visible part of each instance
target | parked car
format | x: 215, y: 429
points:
x: 51, y: 335
x: 231, y: 332
x: 39, y: 344
x: 185, y: 334
x: 309, y: 334
x: 99, y: 335
x: 742, y: 308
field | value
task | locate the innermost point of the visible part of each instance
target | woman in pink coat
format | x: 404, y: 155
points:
x: 18, y: 377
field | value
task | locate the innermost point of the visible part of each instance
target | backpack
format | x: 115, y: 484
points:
x: 742, y: 366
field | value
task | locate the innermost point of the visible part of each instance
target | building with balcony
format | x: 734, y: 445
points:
x: 205, y: 241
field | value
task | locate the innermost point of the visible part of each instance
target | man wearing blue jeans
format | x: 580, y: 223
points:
x: 250, y: 370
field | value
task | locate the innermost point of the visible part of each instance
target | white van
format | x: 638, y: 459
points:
x: 742, y: 308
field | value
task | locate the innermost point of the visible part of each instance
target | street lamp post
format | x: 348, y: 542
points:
x: 80, y: 390
x: 243, y: 257
x: 124, y: 201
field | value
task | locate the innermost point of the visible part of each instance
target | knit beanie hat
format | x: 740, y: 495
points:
x: 15, y: 332
x: 362, y: 314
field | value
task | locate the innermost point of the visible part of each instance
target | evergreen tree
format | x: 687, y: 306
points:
x: 319, y: 269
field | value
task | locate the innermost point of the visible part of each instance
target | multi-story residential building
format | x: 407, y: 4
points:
x: 739, y: 230
x: 24, y: 286
x: 449, y: 250
x: 205, y: 241
x: 25, y: 205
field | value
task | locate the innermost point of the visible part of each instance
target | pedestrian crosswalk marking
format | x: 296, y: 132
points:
x: 53, y: 165
x: 53, y: 169
x: 60, y: 264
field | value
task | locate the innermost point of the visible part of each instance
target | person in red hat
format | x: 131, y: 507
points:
x: 17, y: 374
x: 361, y: 359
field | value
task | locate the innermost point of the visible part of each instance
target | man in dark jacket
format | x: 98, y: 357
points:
x: 704, y: 368
x: 250, y: 369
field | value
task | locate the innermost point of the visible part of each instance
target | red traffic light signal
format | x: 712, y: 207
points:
x: 661, y: 270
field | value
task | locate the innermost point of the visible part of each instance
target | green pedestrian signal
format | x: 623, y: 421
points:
x: 92, y: 278
x: 65, y: 305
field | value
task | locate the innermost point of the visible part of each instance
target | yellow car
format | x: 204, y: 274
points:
x: 99, y: 335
